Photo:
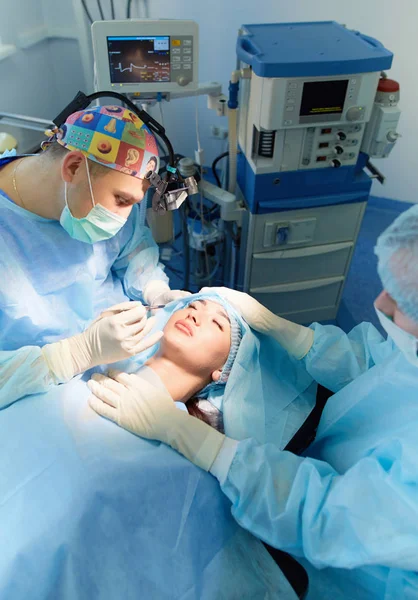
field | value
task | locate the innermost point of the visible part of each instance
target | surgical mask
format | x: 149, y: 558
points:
x: 406, y: 342
x: 98, y: 225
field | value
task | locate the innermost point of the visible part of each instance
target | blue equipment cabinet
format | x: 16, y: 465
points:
x: 307, y: 103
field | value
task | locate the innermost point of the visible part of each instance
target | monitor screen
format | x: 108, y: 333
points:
x: 139, y: 59
x: 323, y: 97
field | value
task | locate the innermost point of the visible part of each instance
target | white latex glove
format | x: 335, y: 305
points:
x: 295, y: 339
x: 141, y: 408
x: 118, y: 333
x: 158, y: 293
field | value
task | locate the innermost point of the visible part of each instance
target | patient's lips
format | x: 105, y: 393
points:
x: 184, y: 326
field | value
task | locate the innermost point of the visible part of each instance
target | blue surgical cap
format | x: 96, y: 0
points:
x: 397, y: 251
x: 236, y: 337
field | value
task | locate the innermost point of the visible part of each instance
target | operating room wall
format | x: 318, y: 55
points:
x: 44, y: 70
x: 25, y: 74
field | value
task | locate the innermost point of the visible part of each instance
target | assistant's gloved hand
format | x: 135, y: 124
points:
x: 295, y: 339
x: 139, y: 407
x: 118, y: 333
x: 157, y: 292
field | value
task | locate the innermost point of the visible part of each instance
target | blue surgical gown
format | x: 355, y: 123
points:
x: 53, y: 286
x: 350, y: 507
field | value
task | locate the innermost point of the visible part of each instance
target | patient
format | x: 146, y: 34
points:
x: 198, y: 349
x: 225, y: 373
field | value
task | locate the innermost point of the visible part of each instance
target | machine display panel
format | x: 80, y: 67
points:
x: 323, y: 97
x: 139, y: 59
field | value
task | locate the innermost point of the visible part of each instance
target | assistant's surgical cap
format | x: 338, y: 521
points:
x: 112, y: 136
x: 397, y: 251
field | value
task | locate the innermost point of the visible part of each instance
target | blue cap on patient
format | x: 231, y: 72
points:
x: 236, y: 337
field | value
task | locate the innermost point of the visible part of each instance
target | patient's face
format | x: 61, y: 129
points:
x: 198, y: 337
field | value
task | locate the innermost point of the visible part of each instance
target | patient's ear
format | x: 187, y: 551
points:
x: 216, y: 375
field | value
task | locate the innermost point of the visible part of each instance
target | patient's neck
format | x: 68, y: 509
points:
x: 180, y: 384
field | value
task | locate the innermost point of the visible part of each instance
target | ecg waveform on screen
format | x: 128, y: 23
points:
x: 155, y: 72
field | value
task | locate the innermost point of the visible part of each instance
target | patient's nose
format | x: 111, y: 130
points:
x: 193, y: 316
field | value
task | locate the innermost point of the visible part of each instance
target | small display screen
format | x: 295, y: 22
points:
x: 139, y: 59
x: 323, y: 97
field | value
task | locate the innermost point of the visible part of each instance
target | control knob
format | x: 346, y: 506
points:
x: 183, y: 80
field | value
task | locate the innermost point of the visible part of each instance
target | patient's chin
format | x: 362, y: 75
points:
x: 176, y: 350
x: 175, y: 341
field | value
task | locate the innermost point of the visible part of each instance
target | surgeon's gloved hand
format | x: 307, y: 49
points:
x: 118, y: 333
x: 158, y: 293
x: 139, y: 407
x: 295, y: 339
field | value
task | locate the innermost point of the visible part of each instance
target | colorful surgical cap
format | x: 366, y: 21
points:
x: 112, y: 136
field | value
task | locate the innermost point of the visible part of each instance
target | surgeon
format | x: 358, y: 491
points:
x: 71, y: 239
x: 349, y: 508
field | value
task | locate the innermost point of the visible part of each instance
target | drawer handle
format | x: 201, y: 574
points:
x: 298, y: 286
x: 302, y: 252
